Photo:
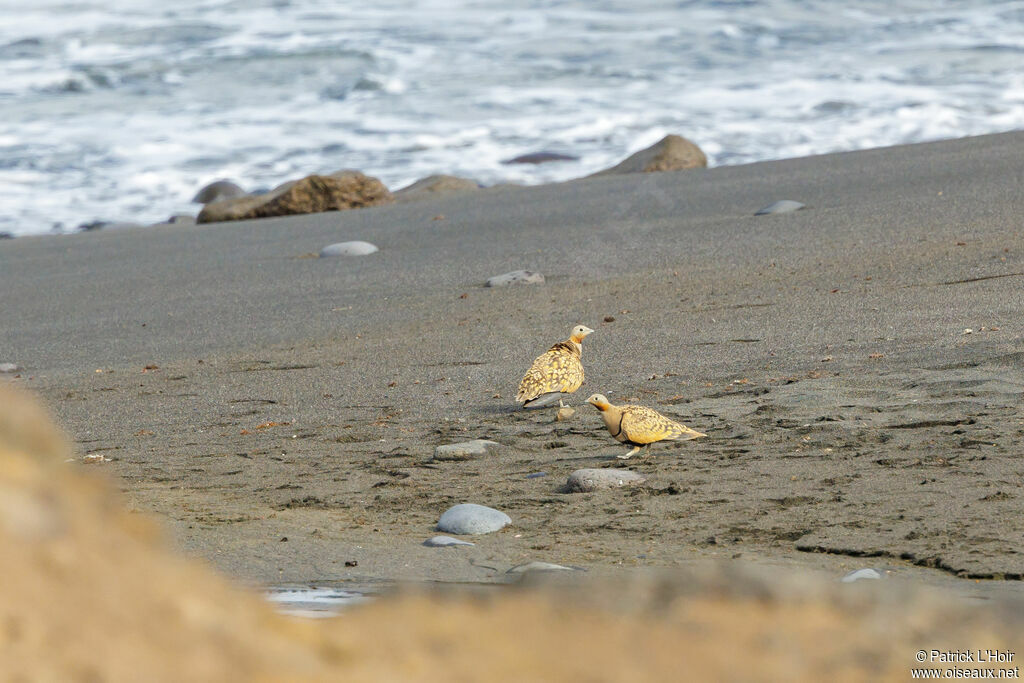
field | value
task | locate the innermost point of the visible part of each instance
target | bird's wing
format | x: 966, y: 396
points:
x: 644, y: 425
x: 558, y: 369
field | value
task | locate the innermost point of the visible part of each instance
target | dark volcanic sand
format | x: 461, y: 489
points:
x: 823, y: 351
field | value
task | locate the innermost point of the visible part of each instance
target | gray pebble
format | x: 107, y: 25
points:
x: 866, y: 573
x: 781, y: 206
x: 540, y: 567
x: 587, y: 480
x: 470, y: 518
x: 355, y: 248
x: 516, y: 277
x: 9, y: 367
x: 442, y: 541
x: 467, y: 450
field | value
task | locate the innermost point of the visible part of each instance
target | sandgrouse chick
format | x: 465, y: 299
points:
x: 639, y: 426
x: 556, y: 372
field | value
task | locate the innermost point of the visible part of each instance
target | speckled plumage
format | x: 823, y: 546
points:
x: 559, y: 370
x: 639, y: 425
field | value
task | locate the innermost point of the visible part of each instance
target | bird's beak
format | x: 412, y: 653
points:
x: 586, y: 331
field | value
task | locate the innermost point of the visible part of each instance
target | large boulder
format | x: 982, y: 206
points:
x: 435, y: 186
x: 671, y: 153
x: 312, y: 194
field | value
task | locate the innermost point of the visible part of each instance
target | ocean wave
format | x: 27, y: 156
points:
x: 120, y: 110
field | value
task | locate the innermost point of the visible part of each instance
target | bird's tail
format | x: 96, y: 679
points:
x: 544, y: 400
x: 688, y: 434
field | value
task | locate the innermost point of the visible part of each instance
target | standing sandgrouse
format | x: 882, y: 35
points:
x: 639, y: 426
x: 556, y: 372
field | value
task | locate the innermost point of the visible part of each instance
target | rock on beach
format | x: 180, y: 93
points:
x: 465, y: 450
x: 781, y: 206
x: 671, y: 153
x: 217, y: 191
x: 593, y: 479
x: 516, y: 277
x: 354, y: 248
x: 470, y: 518
x: 312, y: 194
x: 435, y: 186
x: 444, y: 541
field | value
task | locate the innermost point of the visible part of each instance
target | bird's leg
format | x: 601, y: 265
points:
x: 629, y: 455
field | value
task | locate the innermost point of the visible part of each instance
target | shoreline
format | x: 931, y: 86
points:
x: 822, y: 350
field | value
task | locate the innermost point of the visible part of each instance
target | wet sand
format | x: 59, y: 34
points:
x: 852, y: 422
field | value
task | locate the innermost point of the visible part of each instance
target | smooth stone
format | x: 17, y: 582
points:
x: 540, y: 158
x: 466, y: 450
x: 470, y: 518
x: 781, y: 206
x: 9, y: 367
x: 217, y: 191
x: 866, y: 573
x: 592, y: 479
x: 443, y: 541
x: 355, y: 248
x: 6, y: 235
x: 540, y: 567
x: 516, y: 277
x: 536, y: 475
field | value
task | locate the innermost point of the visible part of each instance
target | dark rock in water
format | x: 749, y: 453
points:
x: 470, y: 518
x: 671, y: 153
x: 6, y: 236
x: 218, y: 191
x: 108, y: 225
x: 516, y: 277
x: 435, y: 186
x: 354, y: 248
x: 540, y: 158
x: 587, y: 480
x: 467, y: 450
x: 444, y: 541
x: 312, y: 194
x: 781, y: 206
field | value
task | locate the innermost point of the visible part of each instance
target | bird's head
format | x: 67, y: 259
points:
x: 579, y: 332
x: 599, y: 402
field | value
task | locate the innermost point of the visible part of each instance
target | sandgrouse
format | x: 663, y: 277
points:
x: 639, y: 426
x: 556, y: 372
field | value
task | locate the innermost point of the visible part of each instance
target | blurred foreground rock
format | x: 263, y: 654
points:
x: 93, y: 592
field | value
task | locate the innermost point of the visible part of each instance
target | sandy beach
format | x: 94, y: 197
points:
x: 857, y: 366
